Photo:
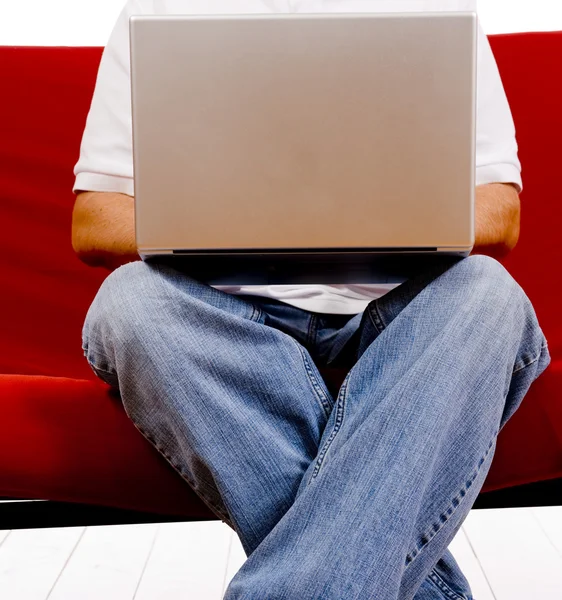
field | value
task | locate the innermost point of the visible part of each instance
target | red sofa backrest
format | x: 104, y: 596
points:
x: 46, y: 291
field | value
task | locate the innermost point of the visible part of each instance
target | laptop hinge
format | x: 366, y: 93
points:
x: 323, y: 251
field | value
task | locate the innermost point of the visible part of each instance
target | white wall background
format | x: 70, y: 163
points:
x: 89, y: 22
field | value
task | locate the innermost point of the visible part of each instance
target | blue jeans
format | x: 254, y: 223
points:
x: 351, y: 497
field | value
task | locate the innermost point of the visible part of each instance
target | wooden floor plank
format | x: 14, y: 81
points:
x: 507, y: 554
x: 31, y: 560
x: 107, y: 563
x: 550, y: 519
x: 188, y: 561
x: 468, y: 562
x: 236, y: 558
x: 518, y: 559
x: 460, y: 548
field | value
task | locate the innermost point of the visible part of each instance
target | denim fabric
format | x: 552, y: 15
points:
x: 351, y: 497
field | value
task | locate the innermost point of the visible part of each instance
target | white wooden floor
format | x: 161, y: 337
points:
x: 512, y: 554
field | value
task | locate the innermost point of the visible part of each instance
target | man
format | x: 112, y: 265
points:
x: 334, y: 498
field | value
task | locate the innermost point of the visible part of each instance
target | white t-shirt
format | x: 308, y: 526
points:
x: 106, y: 158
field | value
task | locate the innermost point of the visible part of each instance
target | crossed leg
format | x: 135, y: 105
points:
x: 353, y: 497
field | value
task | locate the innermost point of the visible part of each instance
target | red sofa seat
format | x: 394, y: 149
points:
x: 62, y: 435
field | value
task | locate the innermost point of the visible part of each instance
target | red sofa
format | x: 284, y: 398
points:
x: 63, y: 437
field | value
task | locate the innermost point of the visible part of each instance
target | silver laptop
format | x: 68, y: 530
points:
x: 336, y: 148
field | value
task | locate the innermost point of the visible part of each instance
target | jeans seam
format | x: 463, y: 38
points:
x: 176, y: 467
x: 210, y: 504
x: 444, y: 586
x: 376, y: 317
x: 534, y: 360
x: 85, y: 351
x: 455, y: 503
x: 312, y: 330
x: 256, y: 315
x: 317, y: 388
x: 340, y: 413
x: 95, y: 368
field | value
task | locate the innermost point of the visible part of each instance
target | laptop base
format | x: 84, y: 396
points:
x: 305, y: 268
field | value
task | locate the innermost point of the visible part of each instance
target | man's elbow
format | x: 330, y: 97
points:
x: 89, y: 257
x: 83, y: 239
x: 514, y: 222
x: 79, y: 237
x: 103, y: 229
x: 497, y: 220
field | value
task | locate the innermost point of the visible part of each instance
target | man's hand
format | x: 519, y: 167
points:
x: 496, y: 219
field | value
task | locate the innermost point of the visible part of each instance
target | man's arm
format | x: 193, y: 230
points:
x: 103, y: 229
x: 496, y: 219
x: 103, y: 225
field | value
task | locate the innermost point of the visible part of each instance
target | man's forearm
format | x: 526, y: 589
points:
x: 103, y: 229
x: 103, y: 225
x: 496, y: 219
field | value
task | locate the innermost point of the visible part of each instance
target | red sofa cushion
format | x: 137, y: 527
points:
x: 70, y: 439
x: 78, y: 443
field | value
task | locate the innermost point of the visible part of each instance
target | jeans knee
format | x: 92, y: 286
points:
x: 487, y: 279
x: 482, y: 266
x: 495, y: 299
x: 118, y: 307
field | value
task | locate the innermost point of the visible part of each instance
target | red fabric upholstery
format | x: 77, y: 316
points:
x: 530, y: 65
x: 79, y: 445
x: 62, y: 436
x: 45, y: 289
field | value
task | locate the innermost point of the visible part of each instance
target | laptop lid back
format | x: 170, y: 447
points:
x: 324, y: 131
